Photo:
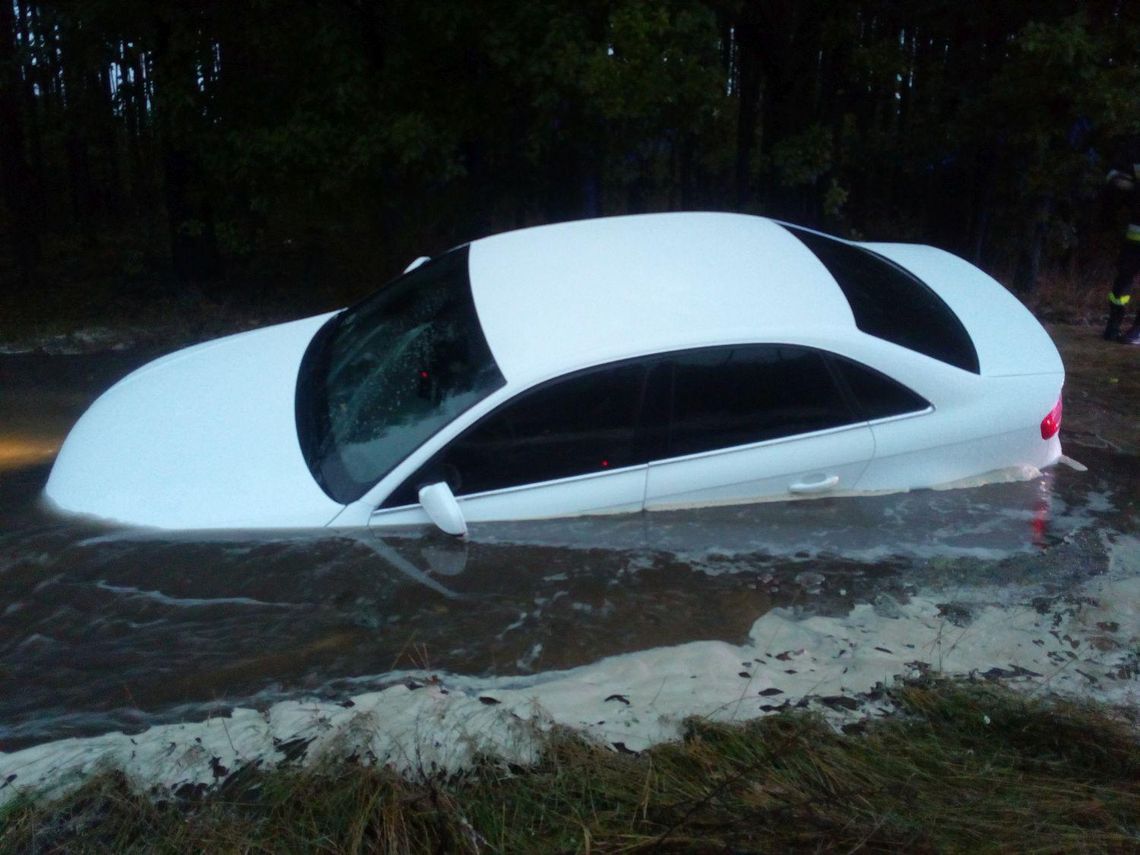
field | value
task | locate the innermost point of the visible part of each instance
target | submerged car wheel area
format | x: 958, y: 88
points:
x: 602, y: 366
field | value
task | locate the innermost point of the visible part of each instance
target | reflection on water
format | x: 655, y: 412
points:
x: 103, y: 629
x: 17, y: 452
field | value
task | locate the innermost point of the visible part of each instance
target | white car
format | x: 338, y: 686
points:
x: 601, y: 366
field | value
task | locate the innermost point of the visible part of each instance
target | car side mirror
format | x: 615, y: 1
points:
x: 443, y: 509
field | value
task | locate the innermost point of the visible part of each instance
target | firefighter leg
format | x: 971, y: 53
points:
x: 1121, y: 294
x: 1115, y: 316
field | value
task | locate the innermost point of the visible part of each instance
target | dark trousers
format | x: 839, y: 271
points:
x: 1126, y: 269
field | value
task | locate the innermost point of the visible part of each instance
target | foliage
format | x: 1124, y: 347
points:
x: 368, y: 133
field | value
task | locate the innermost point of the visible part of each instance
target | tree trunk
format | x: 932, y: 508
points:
x: 78, y: 119
x: 134, y: 113
x: 748, y: 97
x: 32, y: 114
x: 15, y: 175
x: 193, y: 243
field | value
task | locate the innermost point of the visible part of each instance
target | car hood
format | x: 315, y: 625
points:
x: 203, y: 438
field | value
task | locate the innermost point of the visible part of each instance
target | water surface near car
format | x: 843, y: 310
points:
x: 106, y: 629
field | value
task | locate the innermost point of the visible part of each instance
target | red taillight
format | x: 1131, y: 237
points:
x: 1052, y: 422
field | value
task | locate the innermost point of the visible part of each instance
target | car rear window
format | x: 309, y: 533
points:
x: 890, y: 303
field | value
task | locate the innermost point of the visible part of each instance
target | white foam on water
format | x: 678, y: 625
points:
x: 187, y: 602
x: 1006, y: 475
x: 1083, y: 645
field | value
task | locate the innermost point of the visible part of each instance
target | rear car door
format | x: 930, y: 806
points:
x: 748, y: 422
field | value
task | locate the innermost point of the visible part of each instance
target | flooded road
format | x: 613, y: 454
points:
x: 104, y: 629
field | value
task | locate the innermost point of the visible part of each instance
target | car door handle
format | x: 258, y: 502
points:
x: 825, y: 483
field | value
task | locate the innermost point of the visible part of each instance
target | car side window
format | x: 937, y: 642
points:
x: 729, y: 396
x: 576, y: 425
x: 876, y: 395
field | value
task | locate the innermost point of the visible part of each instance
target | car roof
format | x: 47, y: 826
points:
x: 556, y: 298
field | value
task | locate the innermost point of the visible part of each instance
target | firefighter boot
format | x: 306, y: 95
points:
x: 1115, y: 316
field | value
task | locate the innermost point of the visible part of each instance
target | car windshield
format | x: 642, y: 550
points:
x: 383, y: 376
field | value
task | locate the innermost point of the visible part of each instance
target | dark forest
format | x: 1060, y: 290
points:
x: 244, y: 149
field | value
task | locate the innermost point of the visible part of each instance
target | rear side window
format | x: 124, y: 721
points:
x: 892, y: 304
x: 576, y: 425
x: 729, y: 396
x: 876, y: 395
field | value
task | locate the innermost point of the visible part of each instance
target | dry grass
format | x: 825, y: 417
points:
x: 965, y: 767
x: 1075, y: 296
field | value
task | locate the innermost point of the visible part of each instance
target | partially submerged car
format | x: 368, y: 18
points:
x: 601, y: 366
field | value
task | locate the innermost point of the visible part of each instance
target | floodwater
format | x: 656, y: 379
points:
x: 104, y: 629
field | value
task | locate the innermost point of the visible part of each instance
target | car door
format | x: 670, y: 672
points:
x: 564, y: 448
x: 755, y: 422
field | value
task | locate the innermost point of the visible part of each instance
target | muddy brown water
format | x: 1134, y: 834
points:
x: 102, y: 628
